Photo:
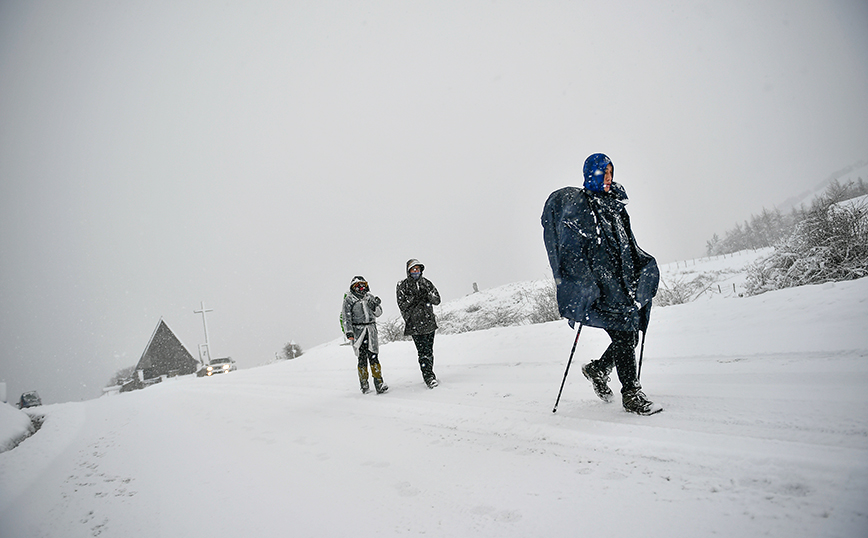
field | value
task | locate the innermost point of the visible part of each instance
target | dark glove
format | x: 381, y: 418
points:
x: 349, y: 336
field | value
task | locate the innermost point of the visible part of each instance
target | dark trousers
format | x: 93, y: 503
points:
x: 621, y: 355
x: 365, y: 358
x: 425, y: 350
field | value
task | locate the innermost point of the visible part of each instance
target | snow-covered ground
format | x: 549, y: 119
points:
x: 764, y: 433
x: 726, y: 273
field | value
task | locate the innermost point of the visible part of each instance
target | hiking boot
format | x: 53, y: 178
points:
x: 635, y: 401
x: 432, y: 382
x: 380, y: 385
x: 365, y: 387
x: 600, y: 381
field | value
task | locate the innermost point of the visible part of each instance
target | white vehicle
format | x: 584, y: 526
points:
x: 218, y: 366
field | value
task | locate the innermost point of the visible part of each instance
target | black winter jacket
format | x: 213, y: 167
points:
x: 415, y: 300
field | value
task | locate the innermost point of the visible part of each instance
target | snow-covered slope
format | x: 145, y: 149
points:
x: 518, y: 303
x: 726, y: 274
x: 764, y: 433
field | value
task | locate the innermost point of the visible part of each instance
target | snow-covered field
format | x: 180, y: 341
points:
x: 764, y: 433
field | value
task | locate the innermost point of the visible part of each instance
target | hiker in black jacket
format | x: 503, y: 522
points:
x: 416, y: 295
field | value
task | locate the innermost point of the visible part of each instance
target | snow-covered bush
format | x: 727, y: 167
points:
x: 830, y: 244
x: 16, y: 426
x: 290, y: 351
x: 391, y: 330
x: 121, y: 376
x: 679, y: 290
x: 477, y: 318
x: 523, y: 303
x: 543, y: 304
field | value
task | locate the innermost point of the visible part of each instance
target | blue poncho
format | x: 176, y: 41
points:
x: 603, y: 278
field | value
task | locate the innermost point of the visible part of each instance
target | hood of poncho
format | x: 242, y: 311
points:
x: 595, y: 170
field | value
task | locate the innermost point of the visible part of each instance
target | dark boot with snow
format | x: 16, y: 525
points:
x: 426, y: 364
x: 363, y: 379
x: 635, y: 401
x: 379, y: 384
x: 600, y: 381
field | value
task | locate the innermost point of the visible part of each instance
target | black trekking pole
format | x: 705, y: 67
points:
x: 641, y: 352
x: 578, y: 332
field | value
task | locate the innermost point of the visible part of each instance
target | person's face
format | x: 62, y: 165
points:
x: 360, y: 287
x: 607, y: 179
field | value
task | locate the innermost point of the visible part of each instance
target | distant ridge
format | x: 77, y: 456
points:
x: 848, y: 173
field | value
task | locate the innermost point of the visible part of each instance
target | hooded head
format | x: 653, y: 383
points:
x: 359, y: 285
x: 595, y: 170
x: 411, y: 263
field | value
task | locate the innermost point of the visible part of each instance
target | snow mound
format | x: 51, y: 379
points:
x: 15, y: 425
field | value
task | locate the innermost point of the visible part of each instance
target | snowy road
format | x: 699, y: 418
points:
x: 764, y: 433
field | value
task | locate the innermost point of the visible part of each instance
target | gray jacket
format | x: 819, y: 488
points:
x: 359, y: 315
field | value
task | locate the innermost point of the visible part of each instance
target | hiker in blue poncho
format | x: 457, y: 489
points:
x: 603, y: 278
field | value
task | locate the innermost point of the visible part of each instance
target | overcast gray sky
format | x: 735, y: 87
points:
x: 257, y: 155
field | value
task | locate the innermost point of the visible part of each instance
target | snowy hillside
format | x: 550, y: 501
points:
x: 764, y: 433
x: 520, y: 303
x: 852, y: 173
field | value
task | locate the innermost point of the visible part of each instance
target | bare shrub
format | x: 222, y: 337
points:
x: 497, y: 318
x: 680, y: 290
x: 290, y: 351
x: 536, y: 303
x: 543, y: 304
x: 121, y: 376
x: 449, y: 322
x: 829, y: 245
x: 391, y: 330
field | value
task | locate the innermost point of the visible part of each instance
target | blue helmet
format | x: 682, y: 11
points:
x: 594, y: 171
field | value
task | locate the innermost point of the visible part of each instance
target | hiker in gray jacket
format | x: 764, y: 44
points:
x: 358, y: 316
